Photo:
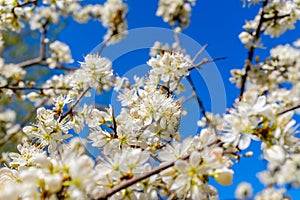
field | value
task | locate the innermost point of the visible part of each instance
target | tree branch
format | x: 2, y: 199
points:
x: 247, y: 67
x: 42, y: 52
x: 205, y: 61
x: 199, y: 53
x: 200, y: 103
x: 74, y: 104
x: 159, y: 169
x: 289, y: 109
x: 14, y: 88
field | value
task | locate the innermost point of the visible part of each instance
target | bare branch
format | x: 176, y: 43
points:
x: 188, y: 98
x: 42, y: 52
x: 205, y: 61
x: 14, y: 88
x: 199, y: 53
x: 201, y: 106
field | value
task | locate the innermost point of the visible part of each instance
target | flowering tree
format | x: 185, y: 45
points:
x: 143, y: 154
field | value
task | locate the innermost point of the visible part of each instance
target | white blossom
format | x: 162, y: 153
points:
x: 59, y: 53
x: 169, y: 69
x: 244, y: 191
x: 173, y: 11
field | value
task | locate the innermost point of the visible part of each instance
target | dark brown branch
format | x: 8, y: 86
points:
x: 201, y: 106
x: 276, y: 17
x: 137, y: 179
x: 114, y: 123
x: 70, y: 110
x: 43, y: 63
x: 256, y: 37
x: 14, y: 88
x: 289, y: 109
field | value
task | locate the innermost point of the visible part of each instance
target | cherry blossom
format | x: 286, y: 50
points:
x: 143, y: 152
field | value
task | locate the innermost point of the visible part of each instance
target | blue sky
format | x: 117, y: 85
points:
x: 216, y: 23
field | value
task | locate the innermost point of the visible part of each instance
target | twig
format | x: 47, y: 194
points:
x: 14, y: 88
x: 137, y: 179
x: 199, y: 53
x: 29, y: 63
x: 114, y: 123
x: 247, y: 67
x: 289, y: 109
x: 43, y: 63
x: 103, y: 45
x: 188, y: 98
x: 201, y: 106
x: 42, y: 52
x: 276, y: 17
x: 205, y: 61
x: 74, y: 104
x: 177, y: 40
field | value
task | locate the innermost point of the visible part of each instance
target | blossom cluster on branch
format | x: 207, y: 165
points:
x: 143, y: 154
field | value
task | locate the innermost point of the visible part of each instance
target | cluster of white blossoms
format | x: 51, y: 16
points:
x: 280, y: 69
x: 48, y: 129
x: 271, y: 89
x: 275, y: 19
x: 160, y: 48
x: 11, y: 72
x: 59, y: 53
x: 66, y: 174
x: 169, y: 69
x: 142, y: 153
x: 148, y: 119
x: 95, y: 72
x: 189, y: 177
x: 113, y: 16
x: 287, y: 12
x: 175, y: 12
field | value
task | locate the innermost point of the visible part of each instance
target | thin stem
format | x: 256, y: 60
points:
x: 199, y: 53
x: 205, y: 61
x: 103, y: 45
x: 43, y: 63
x: 257, y: 33
x: 159, y: 169
x: 42, y: 52
x: 14, y: 88
x: 114, y: 123
x: 201, y: 106
x: 289, y: 109
x: 188, y: 98
x: 177, y: 40
x: 29, y: 63
x: 74, y: 104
